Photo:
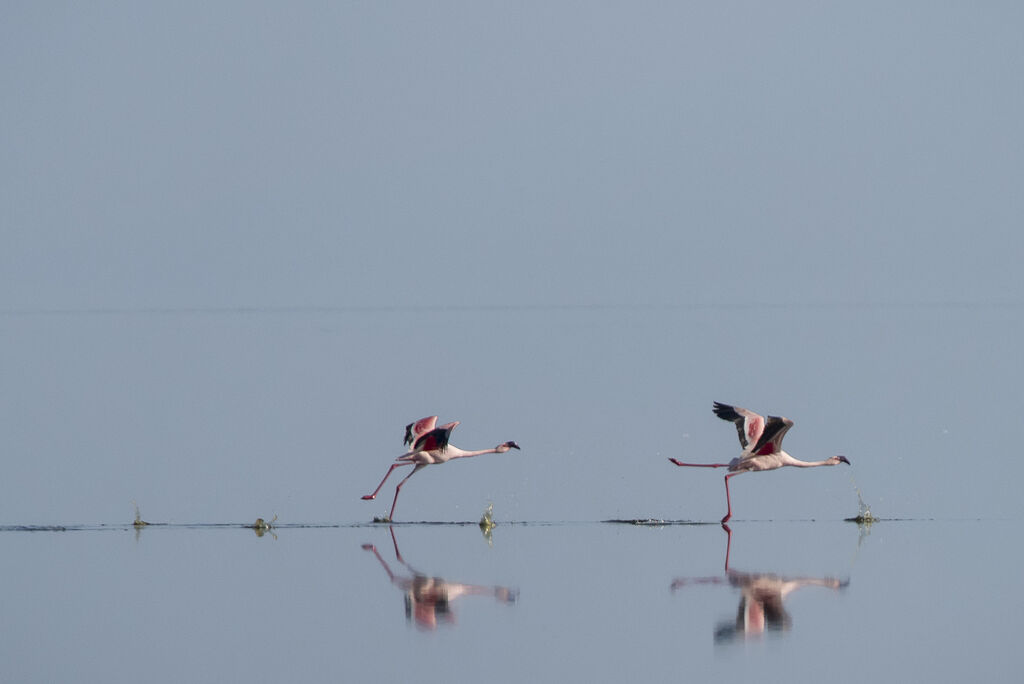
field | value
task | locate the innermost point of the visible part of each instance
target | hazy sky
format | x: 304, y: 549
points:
x: 857, y: 165
x: 196, y: 154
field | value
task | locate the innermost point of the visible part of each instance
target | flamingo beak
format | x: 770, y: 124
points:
x: 513, y: 445
x: 842, y: 459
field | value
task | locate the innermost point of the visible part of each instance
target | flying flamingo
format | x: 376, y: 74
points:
x: 762, y: 447
x: 429, y: 445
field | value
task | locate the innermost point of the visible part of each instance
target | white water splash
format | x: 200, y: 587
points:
x: 864, y: 516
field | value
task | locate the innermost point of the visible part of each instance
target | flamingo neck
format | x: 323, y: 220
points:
x: 455, y: 452
x: 797, y: 463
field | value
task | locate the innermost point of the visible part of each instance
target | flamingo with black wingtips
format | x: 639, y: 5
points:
x: 762, y: 447
x: 429, y: 446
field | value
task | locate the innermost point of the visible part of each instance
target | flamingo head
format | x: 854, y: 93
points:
x: 841, y: 459
x: 502, y: 448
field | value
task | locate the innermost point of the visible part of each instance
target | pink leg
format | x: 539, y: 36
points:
x: 369, y: 497
x: 391, y: 515
x: 728, y: 501
x: 700, y: 465
x: 712, y: 465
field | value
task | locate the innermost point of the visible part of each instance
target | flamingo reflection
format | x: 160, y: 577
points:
x: 428, y: 600
x: 761, y: 606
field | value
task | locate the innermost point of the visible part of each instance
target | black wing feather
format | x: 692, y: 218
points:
x: 726, y: 412
x: 775, y: 428
x: 435, y: 439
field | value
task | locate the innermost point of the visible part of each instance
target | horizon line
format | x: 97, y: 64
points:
x: 255, y: 309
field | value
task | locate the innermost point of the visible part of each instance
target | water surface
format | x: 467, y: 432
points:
x: 587, y: 601
x: 209, y: 420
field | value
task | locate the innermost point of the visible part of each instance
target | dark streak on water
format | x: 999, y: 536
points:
x: 638, y: 522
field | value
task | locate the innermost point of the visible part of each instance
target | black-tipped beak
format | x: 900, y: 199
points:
x: 514, y: 445
x: 843, y: 459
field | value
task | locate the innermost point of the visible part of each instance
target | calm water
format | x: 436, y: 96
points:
x: 206, y: 417
x: 583, y: 601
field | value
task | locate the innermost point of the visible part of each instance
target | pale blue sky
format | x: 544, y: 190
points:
x: 258, y: 154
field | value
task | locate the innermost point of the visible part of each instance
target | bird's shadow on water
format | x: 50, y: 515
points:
x: 761, y: 607
x: 655, y: 522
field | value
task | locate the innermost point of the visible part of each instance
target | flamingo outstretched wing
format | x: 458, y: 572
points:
x: 413, y: 431
x: 749, y: 425
x: 775, y: 428
x: 436, y: 439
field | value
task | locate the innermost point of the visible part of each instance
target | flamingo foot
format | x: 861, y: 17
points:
x: 369, y: 497
x: 675, y: 461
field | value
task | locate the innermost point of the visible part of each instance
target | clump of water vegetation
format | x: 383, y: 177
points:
x: 487, y: 521
x: 381, y: 519
x: 262, y: 524
x: 487, y: 524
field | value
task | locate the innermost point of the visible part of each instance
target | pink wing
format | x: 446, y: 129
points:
x: 771, y: 441
x: 749, y: 425
x: 414, y: 431
x: 436, y: 439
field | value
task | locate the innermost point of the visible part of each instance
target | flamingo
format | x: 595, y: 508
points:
x: 762, y: 447
x: 429, y: 445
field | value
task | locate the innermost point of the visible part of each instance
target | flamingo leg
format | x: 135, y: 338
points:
x: 368, y: 497
x: 728, y: 502
x: 419, y: 466
x: 712, y: 465
x: 699, y: 465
